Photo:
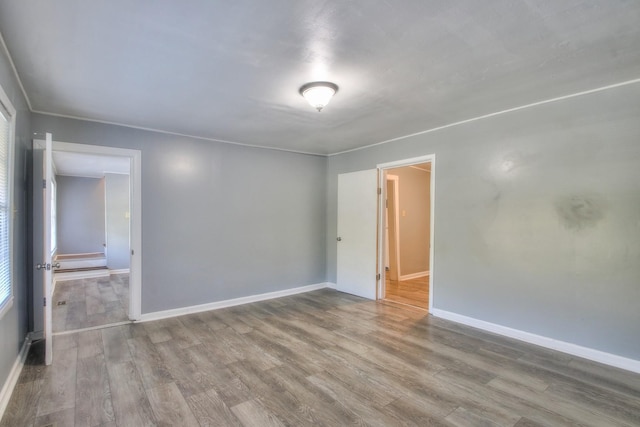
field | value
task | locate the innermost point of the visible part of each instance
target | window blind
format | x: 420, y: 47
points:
x: 5, y: 208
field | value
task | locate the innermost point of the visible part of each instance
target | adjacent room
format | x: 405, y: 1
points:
x: 319, y: 213
x: 90, y: 240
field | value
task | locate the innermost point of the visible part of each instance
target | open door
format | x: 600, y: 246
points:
x: 42, y: 169
x: 357, y: 233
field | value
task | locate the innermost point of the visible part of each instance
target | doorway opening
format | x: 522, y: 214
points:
x: 406, y: 231
x: 97, y: 282
x: 90, y: 240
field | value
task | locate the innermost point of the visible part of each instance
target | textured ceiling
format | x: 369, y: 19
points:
x: 230, y: 70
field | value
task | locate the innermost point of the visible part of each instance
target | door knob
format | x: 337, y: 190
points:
x: 43, y: 266
x: 56, y: 265
x: 339, y: 239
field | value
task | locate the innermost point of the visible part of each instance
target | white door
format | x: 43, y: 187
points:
x: 357, y: 232
x: 42, y: 236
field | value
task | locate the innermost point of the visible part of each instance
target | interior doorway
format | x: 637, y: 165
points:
x: 407, y: 232
x: 90, y: 240
x: 102, y: 283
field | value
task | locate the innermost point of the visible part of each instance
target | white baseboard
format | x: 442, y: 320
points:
x: 414, y: 275
x: 157, y: 315
x: 565, y: 347
x: 119, y: 271
x: 83, y: 263
x: 14, y: 374
x: 75, y: 275
x: 332, y: 285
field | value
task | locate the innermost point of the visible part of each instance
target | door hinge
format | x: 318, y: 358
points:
x: 44, y: 301
x: 379, y: 190
x: 378, y: 276
x: 131, y: 251
x: 44, y: 183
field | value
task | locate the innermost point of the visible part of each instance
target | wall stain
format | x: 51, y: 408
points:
x: 578, y: 212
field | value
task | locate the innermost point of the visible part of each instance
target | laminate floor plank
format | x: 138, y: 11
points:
x: 367, y: 413
x: 64, y: 417
x: 323, y: 409
x: 413, y: 292
x: 210, y: 410
x: 322, y: 358
x: 150, y: 365
x: 90, y: 344
x: 93, y: 394
x: 131, y: 405
x: 116, y: 349
x: 274, y: 400
x: 59, y: 387
x: 253, y: 413
x: 90, y: 302
x: 169, y: 406
x: 22, y: 407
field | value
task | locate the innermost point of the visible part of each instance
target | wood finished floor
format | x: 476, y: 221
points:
x: 413, y: 292
x: 321, y: 358
x: 90, y: 302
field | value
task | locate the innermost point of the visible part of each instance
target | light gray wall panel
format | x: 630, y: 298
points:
x: 537, y: 218
x: 15, y: 324
x: 219, y: 221
x: 117, y: 220
x: 80, y: 215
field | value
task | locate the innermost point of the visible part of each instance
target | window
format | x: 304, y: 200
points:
x: 7, y: 121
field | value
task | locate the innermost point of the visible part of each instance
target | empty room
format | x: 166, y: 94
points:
x: 324, y: 212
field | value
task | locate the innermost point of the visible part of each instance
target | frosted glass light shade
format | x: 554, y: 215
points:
x: 318, y: 94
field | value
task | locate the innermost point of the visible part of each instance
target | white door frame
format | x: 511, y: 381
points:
x: 430, y: 158
x: 135, y: 220
x: 396, y: 207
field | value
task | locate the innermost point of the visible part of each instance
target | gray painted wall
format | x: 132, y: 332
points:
x: 537, y: 217
x: 15, y: 323
x: 80, y: 215
x: 219, y: 221
x: 117, y: 220
x: 413, y: 219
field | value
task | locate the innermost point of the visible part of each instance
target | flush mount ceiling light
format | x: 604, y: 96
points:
x: 318, y: 94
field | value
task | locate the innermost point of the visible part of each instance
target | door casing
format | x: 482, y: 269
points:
x: 135, y: 220
x: 430, y: 158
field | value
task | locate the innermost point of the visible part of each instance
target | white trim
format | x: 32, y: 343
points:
x: 408, y: 162
x: 166, y: 132
x: 119, y: 271
x: 562, y: 346
x: 14, y: 374
x: 93, y: 328
x: 332, y: 285
x: 84, y: 254
x: 396, y: 207
x: 7, y: 304
x: 135, y: 221
x: 157, y: 315
x: 497, y: 113
x: 15, y: 72
x: 414, y: 275
x: 75, y: 275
